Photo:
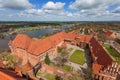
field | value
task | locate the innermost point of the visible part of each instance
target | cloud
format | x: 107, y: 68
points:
x: 50, y: 8
x: 69, y: 14
x: 77, y: 10
x: 95, y: 8
x: 34, y: 11
x: 16, y: 4
x: 83, y: 4
x: 93, y: 4
x: 117, y: 10
x: 53, y: 6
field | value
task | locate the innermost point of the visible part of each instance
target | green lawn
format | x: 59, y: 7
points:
x: 78, y: 57
x: 67, y: 68
x: 113, y: 53
x: 50, y: 77
x: 59, y: 49
x: 47, y: 76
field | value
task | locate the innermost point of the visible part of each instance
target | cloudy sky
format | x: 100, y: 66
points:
x: 59, y: 10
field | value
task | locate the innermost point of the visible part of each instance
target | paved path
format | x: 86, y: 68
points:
x: 74, y: 48
x: 75, y: 66
x: 88, y: 57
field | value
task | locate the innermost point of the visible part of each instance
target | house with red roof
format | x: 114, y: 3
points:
x: 103, y: 66
x: 35, y: 50
x: 110, y: 35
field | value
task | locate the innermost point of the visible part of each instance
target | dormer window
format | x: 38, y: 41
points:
x: 96, y: 59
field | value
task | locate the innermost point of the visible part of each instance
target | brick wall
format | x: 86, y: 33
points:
x: 33, y: 59
x: 21, y: 53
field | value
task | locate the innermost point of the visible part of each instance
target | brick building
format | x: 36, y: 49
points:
x: 104, y: 68
x: 110, y: 35
x: 34, y: 51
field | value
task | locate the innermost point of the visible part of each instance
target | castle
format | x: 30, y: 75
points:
x: 34, y: 51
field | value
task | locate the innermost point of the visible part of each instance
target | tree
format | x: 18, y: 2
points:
x: 60, y: 61
x: 47, y: 59
x: 9, y: 61
x: 59, y: 49
x: 58, y: 77
x: 64, y: 60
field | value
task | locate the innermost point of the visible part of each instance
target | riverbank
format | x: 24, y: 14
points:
x: 29, y: 28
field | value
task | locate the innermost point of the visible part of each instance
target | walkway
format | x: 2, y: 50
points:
x: 75, y: 66
x: 88, y: 57
x: 74, y: 48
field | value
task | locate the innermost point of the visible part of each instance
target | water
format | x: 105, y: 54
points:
x: 3, y: 44
x: 32, y: 34
x: 38, y: 33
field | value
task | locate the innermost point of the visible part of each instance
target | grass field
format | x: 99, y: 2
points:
x: 113, y: 53
x: 67, y: 68
x: 78, y: 57
x: 50, y: 77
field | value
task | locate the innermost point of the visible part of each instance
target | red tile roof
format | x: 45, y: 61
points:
x: 21, y: 41
x: 88, y: 38
x: 70, y: 36
x: 9, y: 75
x: 108, y: 33
x: 44, y: 45
x: 57, y: 38
x: 96, y: 68
x: 81, y: 37
x: 84, y: 38
x: 98, y: 52
x: 39, y: 46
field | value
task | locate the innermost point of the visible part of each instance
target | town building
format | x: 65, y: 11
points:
x: 114, y: 39
x: 110, y: 35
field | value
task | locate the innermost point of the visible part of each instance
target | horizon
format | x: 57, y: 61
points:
x: 62, y: 21
x: 60, y: 10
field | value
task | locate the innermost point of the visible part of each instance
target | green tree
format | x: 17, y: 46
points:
x: 58, y: 77
x: 59, y: 49
x: 47, y: 59
x: 9, y: 61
